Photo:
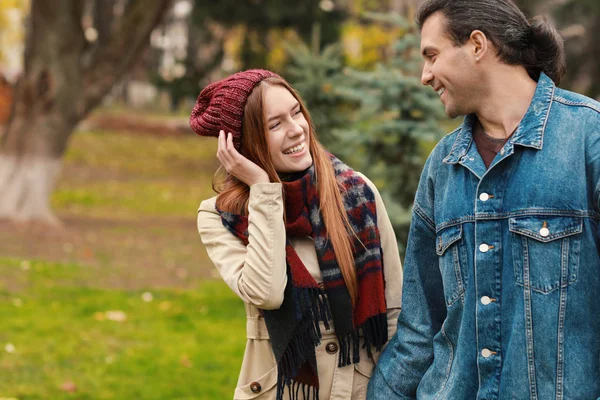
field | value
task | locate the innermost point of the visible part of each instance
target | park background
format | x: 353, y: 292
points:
x: 106, y: 291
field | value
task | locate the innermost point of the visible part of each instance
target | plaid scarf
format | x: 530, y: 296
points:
x: 294, y: 328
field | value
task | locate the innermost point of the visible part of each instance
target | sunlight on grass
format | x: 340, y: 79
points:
x: 145, y: 155
x: 131, y: 198
x: 131, y: 175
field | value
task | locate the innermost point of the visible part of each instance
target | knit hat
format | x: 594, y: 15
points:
x: 220, y: 105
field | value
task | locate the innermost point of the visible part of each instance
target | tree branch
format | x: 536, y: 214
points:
x: 121, y: 51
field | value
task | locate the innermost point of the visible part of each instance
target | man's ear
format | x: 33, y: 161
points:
x: 479, y: 45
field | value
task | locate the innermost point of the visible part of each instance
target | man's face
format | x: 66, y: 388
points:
x: 448, y: 69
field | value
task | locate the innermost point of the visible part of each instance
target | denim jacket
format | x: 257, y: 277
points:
x: 501, y: 295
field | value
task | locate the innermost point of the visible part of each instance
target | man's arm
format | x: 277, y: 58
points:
x: 410, y: 352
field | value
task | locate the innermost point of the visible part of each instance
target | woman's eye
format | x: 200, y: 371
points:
x: 275, y: 125
x: 298, y: 111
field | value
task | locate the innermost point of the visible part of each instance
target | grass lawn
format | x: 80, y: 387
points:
x: 123, y: 302
x: 62, y: 340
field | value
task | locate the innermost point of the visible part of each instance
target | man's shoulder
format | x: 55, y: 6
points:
x: 572, y: 99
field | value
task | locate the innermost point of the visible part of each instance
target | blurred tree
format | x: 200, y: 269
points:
x: 397, y: 116
x: 316, y: 75
x: 261, y: 16
x: 204, y: 54
x: 577, y: 21
x: 68, y: 69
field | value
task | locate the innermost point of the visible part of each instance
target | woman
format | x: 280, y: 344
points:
x: 300, y: 238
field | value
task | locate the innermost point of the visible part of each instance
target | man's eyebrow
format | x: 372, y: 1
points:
x: 277, y: 116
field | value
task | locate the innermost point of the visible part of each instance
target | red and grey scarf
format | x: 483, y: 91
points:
x: 294, y: 328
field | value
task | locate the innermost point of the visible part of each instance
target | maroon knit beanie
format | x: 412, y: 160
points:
x: 220, y: 105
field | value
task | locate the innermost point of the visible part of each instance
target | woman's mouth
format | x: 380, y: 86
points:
x: 295, y: 150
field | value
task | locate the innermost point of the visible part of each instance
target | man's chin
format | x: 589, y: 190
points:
x: 453, y: 112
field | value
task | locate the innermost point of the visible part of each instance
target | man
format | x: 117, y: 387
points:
x: 502, y: 271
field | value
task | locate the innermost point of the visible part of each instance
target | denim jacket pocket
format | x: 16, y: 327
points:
x: 545, y: 251
x: 451, y: 252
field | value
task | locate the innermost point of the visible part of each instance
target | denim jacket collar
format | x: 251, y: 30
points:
x: 529, y: 133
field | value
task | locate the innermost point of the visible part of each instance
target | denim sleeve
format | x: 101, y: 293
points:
x: 409, y: 353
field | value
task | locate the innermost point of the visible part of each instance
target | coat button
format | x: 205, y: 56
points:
x: 485, y: 300
x: 486, y: 353
x: 484, y: 248
x: 484, y: 197
x: 255, y: 387
x: 331, y: 348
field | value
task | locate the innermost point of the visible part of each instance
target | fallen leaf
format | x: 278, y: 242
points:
x: 185, y: 361
x: 147, y: 297
x: 69, y: 387
x: 118, y: 316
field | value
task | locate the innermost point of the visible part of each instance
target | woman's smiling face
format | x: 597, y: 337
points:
x: 287, y: 131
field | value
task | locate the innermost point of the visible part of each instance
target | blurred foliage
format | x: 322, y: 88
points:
x: 316, y: 75
x: 397, y: 115
x: 578, y: 22
x: 258, y: 25
x: 261, y: 16
x: 367, y: 45
x: 9, y: 32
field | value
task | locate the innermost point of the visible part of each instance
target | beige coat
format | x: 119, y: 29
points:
x: 257, y: 274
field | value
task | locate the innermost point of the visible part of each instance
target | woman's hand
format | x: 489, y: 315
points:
x: 238, y: 165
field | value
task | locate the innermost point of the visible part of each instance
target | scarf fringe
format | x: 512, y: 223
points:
x: 312, y: 307
x: 294, y: 388
x: 374, y: 333
x: 312, y: 302
x: 305, y: 339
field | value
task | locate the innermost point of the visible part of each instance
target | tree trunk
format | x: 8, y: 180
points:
x: 63, y: 80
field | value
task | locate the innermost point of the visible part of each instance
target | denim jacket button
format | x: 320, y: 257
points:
x: 486, y: 353
x: 502, y: 152
x: 484, y: 197
x: 485, y: 300
x: 544, y: 232
x: 484, y: 248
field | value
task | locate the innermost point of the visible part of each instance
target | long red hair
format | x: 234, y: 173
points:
x: 233, y: 194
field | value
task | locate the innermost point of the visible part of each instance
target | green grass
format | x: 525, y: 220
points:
x: 183, y: 344
x: 135, y: 175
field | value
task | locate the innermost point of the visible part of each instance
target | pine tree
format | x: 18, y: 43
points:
x: 317, y: 75
x: 395, y: 126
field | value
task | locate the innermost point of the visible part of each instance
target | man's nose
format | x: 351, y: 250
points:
x: 426, y: 75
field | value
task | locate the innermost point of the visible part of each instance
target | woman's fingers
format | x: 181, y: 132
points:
x: 227, y: 153
x: 230, y: 142
x: 222, y: 153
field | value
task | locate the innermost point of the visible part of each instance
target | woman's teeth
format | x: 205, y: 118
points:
x: 296, y: 149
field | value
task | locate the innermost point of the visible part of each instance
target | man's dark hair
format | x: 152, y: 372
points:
x: 537, y: 46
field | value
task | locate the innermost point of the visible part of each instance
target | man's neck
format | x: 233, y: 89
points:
x: 506, y: 100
